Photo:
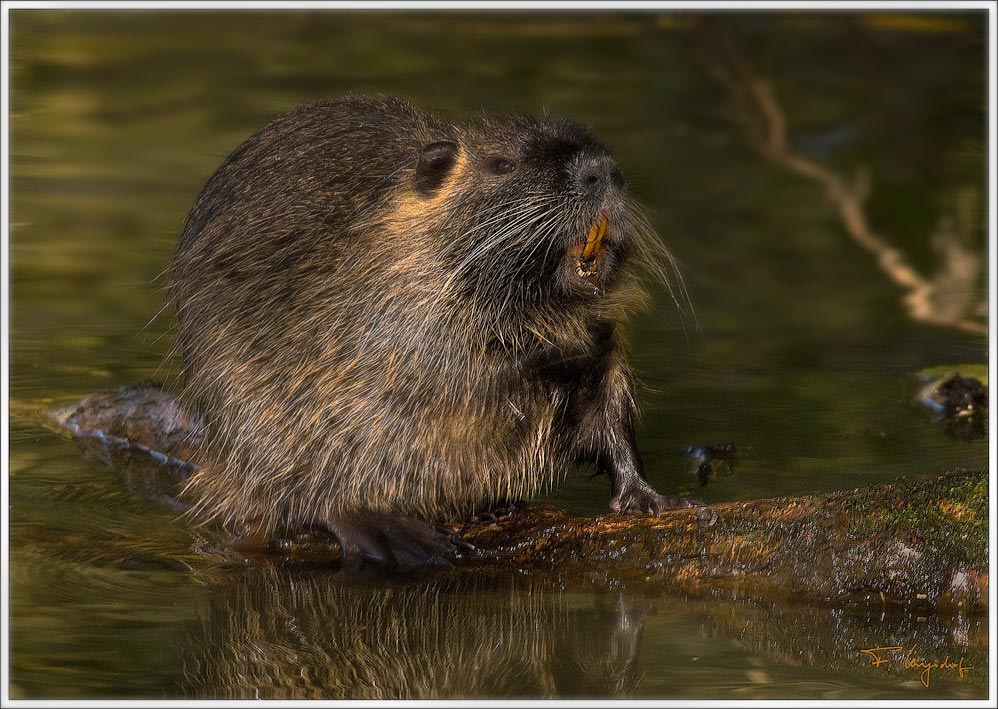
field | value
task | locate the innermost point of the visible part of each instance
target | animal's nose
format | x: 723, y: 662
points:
x: 596, y: 173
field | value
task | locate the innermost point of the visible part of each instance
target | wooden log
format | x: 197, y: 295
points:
x: 917, y: 543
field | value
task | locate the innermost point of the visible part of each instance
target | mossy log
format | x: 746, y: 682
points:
x: 918, y: 543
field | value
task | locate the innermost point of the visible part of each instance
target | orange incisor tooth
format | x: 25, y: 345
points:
x: 595, y: 239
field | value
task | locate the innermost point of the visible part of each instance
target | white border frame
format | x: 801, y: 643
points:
x: 512, y: 5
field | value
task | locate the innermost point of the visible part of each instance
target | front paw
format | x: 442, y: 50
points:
x: 644, y: 500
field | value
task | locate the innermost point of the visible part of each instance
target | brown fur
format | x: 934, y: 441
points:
x: 356, y: 342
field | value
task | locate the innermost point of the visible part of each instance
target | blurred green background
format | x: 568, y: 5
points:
x: 800, y: 353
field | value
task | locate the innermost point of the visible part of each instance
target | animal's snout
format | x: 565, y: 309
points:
x: 598, y: 173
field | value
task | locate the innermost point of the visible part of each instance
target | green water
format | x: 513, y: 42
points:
x: 800, y: 352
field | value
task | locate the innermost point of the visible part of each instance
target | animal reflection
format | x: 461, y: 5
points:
x: 308, y: 634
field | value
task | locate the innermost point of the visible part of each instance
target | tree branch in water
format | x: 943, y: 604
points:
x: 926, y: 300
x: 913, y: 543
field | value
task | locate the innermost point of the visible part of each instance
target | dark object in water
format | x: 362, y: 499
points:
x: 960, y: 403
x: 712, y: 461
x: 960, y: 396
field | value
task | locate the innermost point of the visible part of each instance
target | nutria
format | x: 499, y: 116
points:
x: 387, y: 320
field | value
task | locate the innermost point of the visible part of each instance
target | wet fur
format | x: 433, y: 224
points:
x: 354, y: 341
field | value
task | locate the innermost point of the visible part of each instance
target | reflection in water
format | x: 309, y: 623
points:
x: 300, y: 633
x: 295, y: 632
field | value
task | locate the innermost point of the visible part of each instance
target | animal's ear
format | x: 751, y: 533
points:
x: 435, y: 163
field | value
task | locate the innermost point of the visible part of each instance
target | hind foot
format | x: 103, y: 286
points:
x: 391, y: 543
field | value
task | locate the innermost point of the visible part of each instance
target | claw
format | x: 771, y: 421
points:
x: 643, y: 500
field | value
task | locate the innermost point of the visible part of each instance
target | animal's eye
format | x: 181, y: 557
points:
x: 500, y: 166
